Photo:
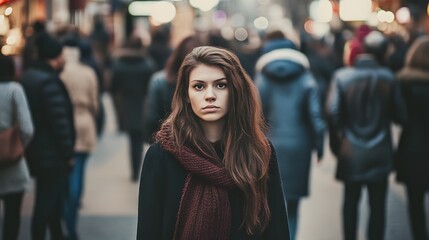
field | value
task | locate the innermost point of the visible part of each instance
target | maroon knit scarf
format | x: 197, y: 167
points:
x: 204, y: 211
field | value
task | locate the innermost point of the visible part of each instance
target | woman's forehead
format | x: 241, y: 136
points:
x: 205, y: 72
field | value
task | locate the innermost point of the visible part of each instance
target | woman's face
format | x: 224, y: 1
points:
x: 208, y: 93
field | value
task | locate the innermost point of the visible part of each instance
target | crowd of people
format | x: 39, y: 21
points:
x: 231, y: 143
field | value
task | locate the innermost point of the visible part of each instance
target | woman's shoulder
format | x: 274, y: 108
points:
x: 160, y: 160
x: 12, y: 84
x: 13, y: 88
x: 273, y: 155
x: 156, y: 151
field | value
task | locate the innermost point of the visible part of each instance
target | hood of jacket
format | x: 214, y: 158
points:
x: 282, y: 64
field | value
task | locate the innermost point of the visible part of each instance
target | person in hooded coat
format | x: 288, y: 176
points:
x: 412, y: 157
x: 292, y: 108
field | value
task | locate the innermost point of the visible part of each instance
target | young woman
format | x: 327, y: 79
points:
x: 212, y: 174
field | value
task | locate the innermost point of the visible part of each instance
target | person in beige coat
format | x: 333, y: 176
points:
x: 81, y: 83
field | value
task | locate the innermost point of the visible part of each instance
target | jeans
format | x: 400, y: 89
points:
x: 74, y: 195
x: 293, y: 213
x: 416, y: 209
x: 12, y: 214
x: 377, y: 203
x: 50, y: 191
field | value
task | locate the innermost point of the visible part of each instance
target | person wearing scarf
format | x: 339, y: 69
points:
x: 212, y: 173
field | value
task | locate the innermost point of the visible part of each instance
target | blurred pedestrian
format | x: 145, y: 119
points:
x: 87, y: 58
x: 322, y: 62
x: 50, y: 153
x: 355, y: 46
x: 131, y: 73
x: 29, y: 53
x: 162, y: 86
x: 81, y: 83
x: 212, y: 174
x: 362, y: 103
x: 14, y: 179
x: 292, y: 108
x: 412, y: 159
x: 100, y: 41
x: 159, y: 48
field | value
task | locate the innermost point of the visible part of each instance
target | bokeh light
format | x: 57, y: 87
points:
x: 241, y: 34
x: 350, y: 10
x: 403, y: 15
x: 261, y: 23
x: 6, y: 50
x: 164, y: 12
x: 321, y: 11
x: 8, y: 11
x: 219, y: 18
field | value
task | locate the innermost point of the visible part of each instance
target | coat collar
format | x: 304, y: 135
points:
x: 44, y: 66
x: 413, y: 74
x: 365, y: 61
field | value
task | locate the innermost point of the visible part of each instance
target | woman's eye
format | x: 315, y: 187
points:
x: 221, y: 85
x: 198, y: 86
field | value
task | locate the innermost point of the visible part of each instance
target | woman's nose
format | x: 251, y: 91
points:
x: 210, y: 94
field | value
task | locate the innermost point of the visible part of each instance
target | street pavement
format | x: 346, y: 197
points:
x: 109, y: 206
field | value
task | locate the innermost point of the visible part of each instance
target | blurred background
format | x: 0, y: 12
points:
x: 109, y: 207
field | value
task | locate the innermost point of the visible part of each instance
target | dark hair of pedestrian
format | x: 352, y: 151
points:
x: 179, y: 53
x: 246, y: 149
x: 376, y: 43
x: 134, y: 42
x: 274, y: 35
x: 418, y: 54
x: 7, y: 68
x: 38, y: 26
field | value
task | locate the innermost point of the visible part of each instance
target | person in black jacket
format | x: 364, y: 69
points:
x: 49, y: 154
x: 131, y: 73
x: 362, y: 103
x: 412, y: 158
x: 161, y: 88
x: 212, y: 173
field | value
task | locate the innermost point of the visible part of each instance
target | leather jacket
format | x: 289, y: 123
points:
x: 362, y: 103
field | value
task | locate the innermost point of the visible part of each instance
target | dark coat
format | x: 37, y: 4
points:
x: 157, y: 103
x: 292, y: 107
x: 130, y: 80
x: 412, y: 159
x: 161, y: 188
x: 363, y: 102
x: 52, y: 114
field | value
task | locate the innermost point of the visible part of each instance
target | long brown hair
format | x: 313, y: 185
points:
x: 175, y: 60
x: 246, y: 149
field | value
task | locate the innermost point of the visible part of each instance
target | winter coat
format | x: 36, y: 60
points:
x: 52, y: 112
x: 81, y: 84
x: 412, y: 158
x: 292, y: 108
x: 363, y: 102
x: 161, y: 186
x: 15, y: 178
x: 130, y: 79
x: 157, y: 103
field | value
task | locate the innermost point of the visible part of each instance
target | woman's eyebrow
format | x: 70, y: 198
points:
x: 216, y: 80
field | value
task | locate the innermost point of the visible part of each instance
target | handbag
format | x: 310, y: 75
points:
x: 11, y: 146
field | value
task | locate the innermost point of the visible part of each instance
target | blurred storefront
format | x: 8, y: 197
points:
x: 11, y: 21
x: 236, y: 20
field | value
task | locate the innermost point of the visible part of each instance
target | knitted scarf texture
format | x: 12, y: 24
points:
x: 204, y: 210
